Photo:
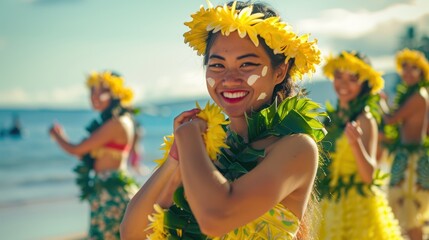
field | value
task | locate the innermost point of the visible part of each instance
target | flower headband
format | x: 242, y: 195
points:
x: 352, y: 64
x: 415, y: 58
x: 277, y: 35
x: 112, y: 82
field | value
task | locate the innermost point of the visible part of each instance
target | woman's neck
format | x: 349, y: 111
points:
x: 239, y: 126
x: 343, y: 105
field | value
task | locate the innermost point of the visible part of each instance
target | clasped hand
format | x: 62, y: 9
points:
x: 183, y: 119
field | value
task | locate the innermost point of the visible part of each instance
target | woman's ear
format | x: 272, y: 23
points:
x: 280, y: 72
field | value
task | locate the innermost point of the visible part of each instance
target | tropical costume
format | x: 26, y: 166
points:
x: 350, y: 208
x: 236, y: 158
x: 108, y: 192
x: 232, y: 156
x: 409, y: 180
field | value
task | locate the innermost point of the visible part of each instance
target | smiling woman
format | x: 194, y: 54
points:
x: 352, y: 204
x: 259, y: 183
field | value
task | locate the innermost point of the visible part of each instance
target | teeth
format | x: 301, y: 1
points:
x: 234, y: 95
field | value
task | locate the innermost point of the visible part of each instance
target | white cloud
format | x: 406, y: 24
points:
x: 384, y: 63
x: 348, y: 24
x: 13, y: 96
x: 172, y: 86
x: 70, y: 96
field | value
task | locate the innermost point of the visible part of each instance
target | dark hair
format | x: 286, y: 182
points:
x: 287, y: 87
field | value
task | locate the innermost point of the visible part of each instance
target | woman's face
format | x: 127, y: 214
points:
x: 347, y: 86
x: 239, y: 75
x: 411, y: 74
x: 100, y: 98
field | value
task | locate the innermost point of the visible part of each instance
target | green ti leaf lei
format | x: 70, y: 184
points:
x: 85, y: 169
x: 292, y: 116
x: 335, y: 125
x: 403, y: 93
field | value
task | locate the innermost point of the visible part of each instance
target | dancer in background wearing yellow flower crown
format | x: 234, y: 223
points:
x: 351, y: 203
x: 105, y: 152
x: 257, y: 182
x: 409, y: 175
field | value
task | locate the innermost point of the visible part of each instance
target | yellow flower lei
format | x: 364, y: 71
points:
x: 277, y: 35
x: 352, y: 64
x: 157, y: 224
x: 214, y: 137
x: 414, y: 57
x: 114, y: 83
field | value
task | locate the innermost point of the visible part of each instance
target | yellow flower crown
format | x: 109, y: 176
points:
x: 350, y: 63
x: 277, y: 35
x: 414, y: 57
x: 114, y: 83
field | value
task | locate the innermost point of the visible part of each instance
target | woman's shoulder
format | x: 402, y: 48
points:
x: 120, y: 121
x: 296, y: 147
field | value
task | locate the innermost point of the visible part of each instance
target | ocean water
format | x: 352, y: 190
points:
x: 38, y: 196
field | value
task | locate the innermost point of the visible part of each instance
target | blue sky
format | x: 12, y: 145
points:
x: 48, y: 46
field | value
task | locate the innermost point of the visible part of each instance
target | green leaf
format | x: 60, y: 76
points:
x: 293, y: 123
x: 179, y: 199
x: 250, y: 154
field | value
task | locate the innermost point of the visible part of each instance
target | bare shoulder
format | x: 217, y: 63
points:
x: 112, y: 125
x: 297, y: 148
x: 420, y: 97
x: 113, y: 122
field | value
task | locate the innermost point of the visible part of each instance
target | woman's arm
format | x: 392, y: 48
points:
x: 107, y: 132
x: 363, y: 139
x: 290, y: 165
x: 158, y: 189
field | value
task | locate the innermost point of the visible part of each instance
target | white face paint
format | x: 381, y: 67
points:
x: 252, y: 79
x: 104, y: 97
x: 262, y: 96
x: 211, y: 82
x: 264, y: 71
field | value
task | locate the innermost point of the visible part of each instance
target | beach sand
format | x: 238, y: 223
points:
x: 56, y: 219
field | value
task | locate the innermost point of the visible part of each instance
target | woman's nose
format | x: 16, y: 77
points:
x: 232, y: 77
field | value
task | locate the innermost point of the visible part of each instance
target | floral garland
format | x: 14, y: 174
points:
x: 277, y: 35
x: 414, y: 57
x: 350, y: 63
x: 293, y: 115
x: 335, y: 125
x: 85, y: 169
x: 114, y: 83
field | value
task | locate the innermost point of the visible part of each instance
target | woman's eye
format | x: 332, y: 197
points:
x: 215, y: 65
x: 249, y: 64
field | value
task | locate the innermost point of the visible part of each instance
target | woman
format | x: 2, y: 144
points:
x: 409, y: 181
x: 352, y: 205
x: 104, y: 152
x: 259, y: 184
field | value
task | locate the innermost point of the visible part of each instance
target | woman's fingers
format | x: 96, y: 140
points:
x: 185, y: 117
x: 353, y: 130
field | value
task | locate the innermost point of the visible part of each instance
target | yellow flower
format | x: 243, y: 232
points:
x: 214, y: 137
x: 166, y: 146
x: 413, y: 57
x: 277, y: 35
x: 114, y: 83
x: 348, y: 62
x: 157, y: 224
